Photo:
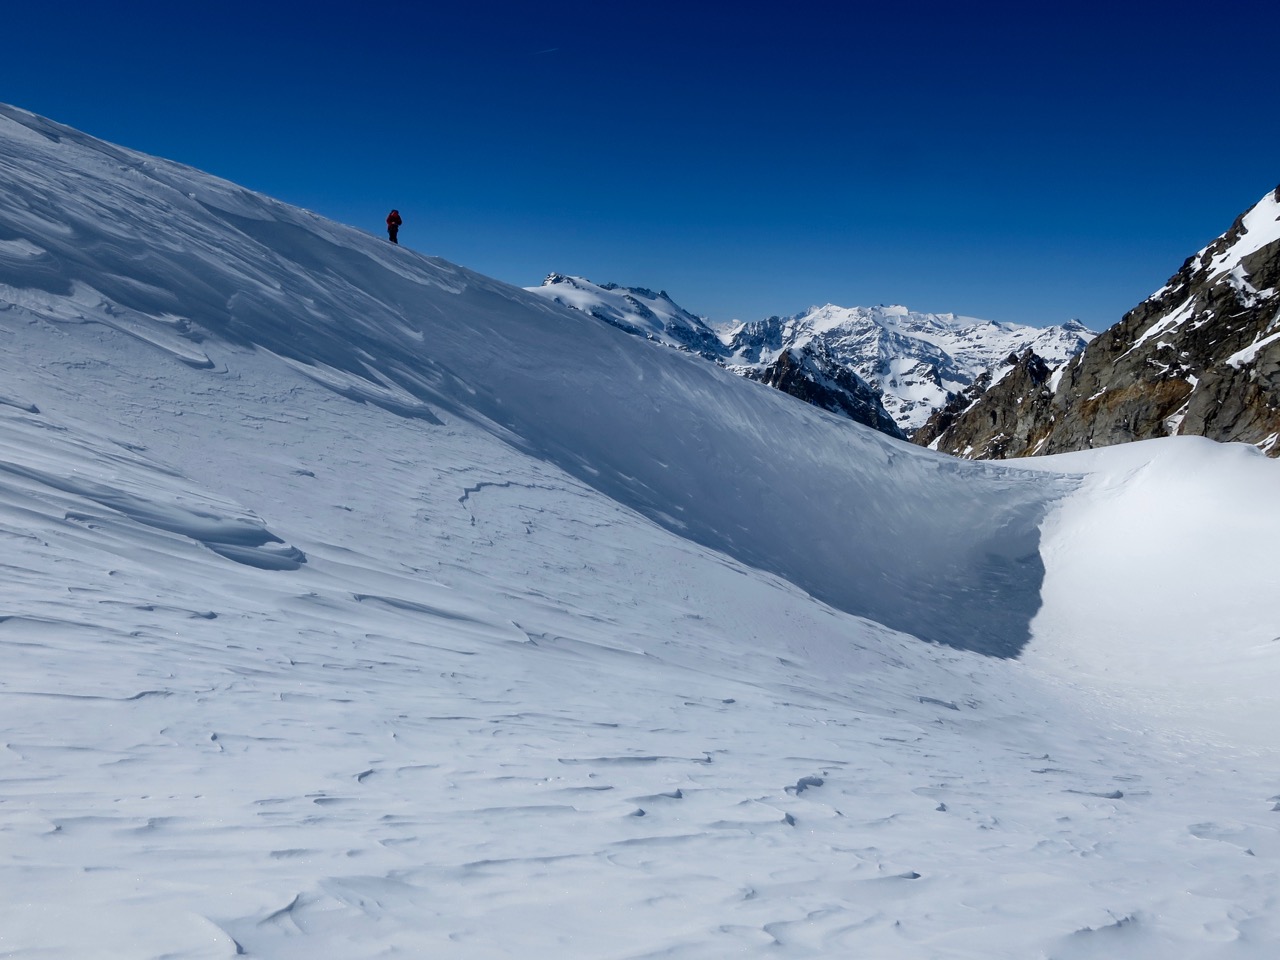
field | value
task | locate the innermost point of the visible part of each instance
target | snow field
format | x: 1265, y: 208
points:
x: 583, y: 648
x: 440, y: 732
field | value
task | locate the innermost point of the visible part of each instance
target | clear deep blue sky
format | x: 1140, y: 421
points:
x: 1023, y: 162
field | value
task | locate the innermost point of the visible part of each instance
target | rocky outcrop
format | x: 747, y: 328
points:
x: 1000, y: 429
x: 1200, y: 356
x: 812, y: 375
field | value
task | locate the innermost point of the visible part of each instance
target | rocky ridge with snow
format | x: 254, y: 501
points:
x: 1200, y: 356
x: 915, y: 360
x: 1020, y: 376
x: 810, y: 373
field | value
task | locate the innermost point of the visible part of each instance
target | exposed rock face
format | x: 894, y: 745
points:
x: 812, y: 375
x: 996, y: 430
x: 1200, y: 356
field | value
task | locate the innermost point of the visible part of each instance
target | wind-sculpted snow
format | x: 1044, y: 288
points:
x: 42, y: 459
x: 497, y: 713
x: 940, y: 549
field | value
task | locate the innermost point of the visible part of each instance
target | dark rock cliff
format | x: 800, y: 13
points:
x: 1200, y: 356
x: 812, y: 375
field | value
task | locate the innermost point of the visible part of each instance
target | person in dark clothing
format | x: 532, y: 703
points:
x: 393, y: 225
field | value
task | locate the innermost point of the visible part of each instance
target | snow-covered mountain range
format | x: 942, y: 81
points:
x: 915, y: 360
x: 912, y: 361
x: 358, y: 605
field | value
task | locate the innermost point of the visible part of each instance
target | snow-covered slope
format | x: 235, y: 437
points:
x: 359, y: 606
x: 914, y: 359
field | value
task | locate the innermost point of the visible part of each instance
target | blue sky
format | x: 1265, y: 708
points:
x: 1019, y: 162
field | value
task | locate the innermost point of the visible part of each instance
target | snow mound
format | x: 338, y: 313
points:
x: 1159, y: 583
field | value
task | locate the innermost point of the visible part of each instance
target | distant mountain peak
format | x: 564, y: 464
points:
x: 915, y: 360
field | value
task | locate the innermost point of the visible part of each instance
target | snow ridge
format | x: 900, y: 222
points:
x: 419, y: 337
